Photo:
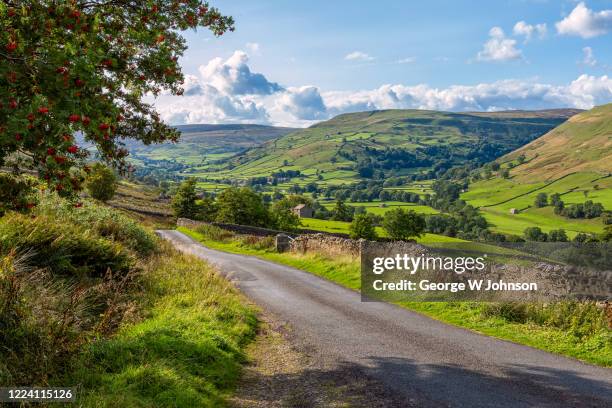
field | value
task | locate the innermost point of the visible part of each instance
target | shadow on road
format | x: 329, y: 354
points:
x: 406, y: 384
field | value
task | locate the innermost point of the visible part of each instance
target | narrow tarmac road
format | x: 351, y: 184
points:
x: 419, y: 360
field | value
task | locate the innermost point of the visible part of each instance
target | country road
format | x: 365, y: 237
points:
x: 419, y: 360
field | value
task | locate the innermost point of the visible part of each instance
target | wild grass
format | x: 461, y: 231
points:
x: 92, y: 300
x: 186, y: 352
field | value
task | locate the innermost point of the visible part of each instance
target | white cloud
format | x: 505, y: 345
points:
x: 407, y: 60
x: 235, y: 77
x: 213, y: 97
x: 358, y: 56
x: 254, y: 48
x: 585, y: 22
x: 529, y: 31
x: 499, y: 48
x: 303, y: 103
x: 589, y: 57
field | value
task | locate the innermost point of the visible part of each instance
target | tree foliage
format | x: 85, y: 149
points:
x: 242, y: 206
x: 70, y: 66
x: 101, y: 182
x: 282, y: 215
x: 184, y: 202
x: 362, y: 226
x: 403, y: 225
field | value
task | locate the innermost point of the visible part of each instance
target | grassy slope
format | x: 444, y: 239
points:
x: 573, y: 160
x: 171, y: 334
x: 186, y: 352
x: 597, y: 349
x: 582, y: 144
x: 314, y: 147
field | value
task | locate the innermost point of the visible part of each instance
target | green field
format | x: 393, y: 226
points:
x: 381, y: 207
x: 342, y: 227
x: 497, y: 196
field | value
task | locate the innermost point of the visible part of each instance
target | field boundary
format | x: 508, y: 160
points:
x: 528, y: 192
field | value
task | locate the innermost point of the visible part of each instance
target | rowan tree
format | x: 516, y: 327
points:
x: 69, y: 66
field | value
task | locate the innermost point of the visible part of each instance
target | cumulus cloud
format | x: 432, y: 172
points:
x: 303, y: 103
x: 585, y: 22
x: 584, y: 92
x: 210, y: 105
x: 217, y: 98
x: 499, y: 48
x: 358, y: 56
x: 589, y: 57
x: 235, y: 77
x: 529, y: 31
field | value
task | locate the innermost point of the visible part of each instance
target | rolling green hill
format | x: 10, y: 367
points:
x: 573, y: 160
x: 392, y: 141
x: 201, y: 144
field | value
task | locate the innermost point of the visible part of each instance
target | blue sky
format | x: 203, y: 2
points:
x: 319, y: 58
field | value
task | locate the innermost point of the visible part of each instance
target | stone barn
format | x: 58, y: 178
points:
x: 303, y: 211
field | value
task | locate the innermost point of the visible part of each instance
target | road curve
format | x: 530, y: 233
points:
x: 423, y: 361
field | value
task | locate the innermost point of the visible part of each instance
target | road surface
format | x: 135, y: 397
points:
x: 419, y: 360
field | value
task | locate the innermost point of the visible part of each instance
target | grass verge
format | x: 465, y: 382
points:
x: 186, y: 351
x: 573, y: 330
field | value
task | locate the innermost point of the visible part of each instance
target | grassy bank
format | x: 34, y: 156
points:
x: 576, y: 330
x: 92, y: 300
x: 185, y: 352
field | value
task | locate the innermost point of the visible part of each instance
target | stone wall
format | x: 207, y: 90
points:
x: 326, y: 244
x: 238, y: 229
x: 248, y: 230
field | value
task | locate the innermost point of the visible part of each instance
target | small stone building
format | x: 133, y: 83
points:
x: 303, y: 211
x: 514, y: 211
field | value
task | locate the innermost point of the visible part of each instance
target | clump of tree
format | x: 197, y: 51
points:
x: 342, y: 212
x: 403, y: 225
x: 363, y: 226
x: 242, y: 206
x: 541, y: 200
x: 588, y: 209
x: 536, y: 234
x: 101, y: 182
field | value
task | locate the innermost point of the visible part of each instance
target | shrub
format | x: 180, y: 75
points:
x: 101, y: 183
x: 362, y: 226
x: 62, y: 246
x: 259, y: 243
x: 283, y: 216
x: 214, y: 233
x: 104, y: 221
x: 535, y: 234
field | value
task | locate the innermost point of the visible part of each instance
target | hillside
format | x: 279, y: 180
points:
x: 583, y: 143
x: 206, y: 143
x: 391, y: 141
x: 573, y: 160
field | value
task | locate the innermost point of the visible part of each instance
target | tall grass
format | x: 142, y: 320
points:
x: 90, y: 299
x: 186, y: 353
